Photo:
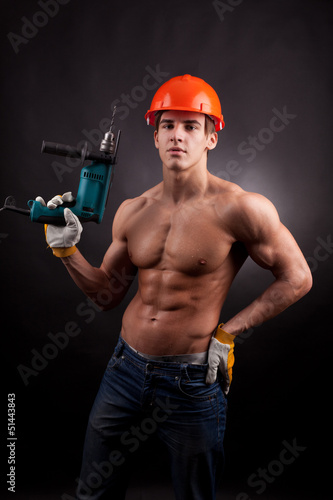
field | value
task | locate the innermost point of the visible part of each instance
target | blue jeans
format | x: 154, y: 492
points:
x: 139, y: 397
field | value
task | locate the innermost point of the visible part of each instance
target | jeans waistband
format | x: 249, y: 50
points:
x: 197, y: 358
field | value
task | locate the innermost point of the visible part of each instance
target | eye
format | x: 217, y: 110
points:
x: 191, y: 127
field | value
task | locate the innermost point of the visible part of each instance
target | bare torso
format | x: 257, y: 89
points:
x: 187, y: 259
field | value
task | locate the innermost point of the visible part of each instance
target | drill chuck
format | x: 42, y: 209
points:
x: 108, y: 144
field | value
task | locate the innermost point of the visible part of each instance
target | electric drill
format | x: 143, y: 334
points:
x: 95, y: 183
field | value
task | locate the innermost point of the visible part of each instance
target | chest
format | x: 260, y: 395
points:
x: 188, y: 240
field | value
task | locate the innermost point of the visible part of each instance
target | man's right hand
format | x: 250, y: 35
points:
x: 62, y: 239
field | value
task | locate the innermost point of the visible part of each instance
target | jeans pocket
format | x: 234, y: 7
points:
x: 116, y: 359
x: 197, y: 389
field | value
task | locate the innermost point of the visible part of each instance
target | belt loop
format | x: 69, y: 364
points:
x: 119, y: 347
x: 184, y: 372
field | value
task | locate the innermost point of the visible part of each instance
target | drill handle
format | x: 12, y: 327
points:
x: 55, y: 148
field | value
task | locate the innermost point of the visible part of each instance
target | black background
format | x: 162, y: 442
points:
x: 259, y: 56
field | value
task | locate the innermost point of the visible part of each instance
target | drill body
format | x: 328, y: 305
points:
x: 90, y: 201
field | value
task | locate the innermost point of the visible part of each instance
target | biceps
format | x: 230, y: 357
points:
x: 117, y: 264
x: 278, y: 253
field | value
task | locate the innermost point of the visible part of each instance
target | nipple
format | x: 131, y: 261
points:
x: 202, y: 262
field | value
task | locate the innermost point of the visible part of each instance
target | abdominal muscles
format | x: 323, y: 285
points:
x: 173, y: 313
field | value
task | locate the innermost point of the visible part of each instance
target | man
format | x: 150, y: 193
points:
x: 187, y: 237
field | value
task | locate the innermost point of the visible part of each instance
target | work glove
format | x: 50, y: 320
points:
x: 62, y: 239
x: 221, y: 357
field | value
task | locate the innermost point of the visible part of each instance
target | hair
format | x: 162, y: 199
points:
x: 209, y: 123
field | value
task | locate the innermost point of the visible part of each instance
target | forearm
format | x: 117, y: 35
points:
x: 106, y: 285
x: 91, y: 280
x: 275, y: 299
x: 88, y: 278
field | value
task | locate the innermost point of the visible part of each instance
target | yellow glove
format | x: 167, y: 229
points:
x: 221, y: 357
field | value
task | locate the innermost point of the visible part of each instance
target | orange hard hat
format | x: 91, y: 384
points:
x: 187, y: 93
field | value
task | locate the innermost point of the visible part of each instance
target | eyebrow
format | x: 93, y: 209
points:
x: 166, y: 120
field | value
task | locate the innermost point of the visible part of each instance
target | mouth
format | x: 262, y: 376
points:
x: 176, y: 150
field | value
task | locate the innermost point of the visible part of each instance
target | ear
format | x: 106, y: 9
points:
x: 212, y: 141
x: 156, y: 139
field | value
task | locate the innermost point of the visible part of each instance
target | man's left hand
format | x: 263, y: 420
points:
x: 221, y: 357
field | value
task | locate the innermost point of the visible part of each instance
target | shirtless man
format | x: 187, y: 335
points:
x: 187, y: 237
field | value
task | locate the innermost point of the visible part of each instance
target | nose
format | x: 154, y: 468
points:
x: 177, y: 136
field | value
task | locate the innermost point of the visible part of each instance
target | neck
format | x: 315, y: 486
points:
x: 180, y: 186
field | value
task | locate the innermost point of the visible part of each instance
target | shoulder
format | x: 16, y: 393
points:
x: 255, y: 217
x: 248, y: 215
x: 132, y: 206
x: 253, y: 205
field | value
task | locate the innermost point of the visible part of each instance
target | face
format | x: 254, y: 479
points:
x: 182, y: 141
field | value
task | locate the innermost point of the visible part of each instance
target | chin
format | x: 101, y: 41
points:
x: 176, y: 166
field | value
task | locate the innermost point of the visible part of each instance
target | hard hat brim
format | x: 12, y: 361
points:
x: 150, y: 115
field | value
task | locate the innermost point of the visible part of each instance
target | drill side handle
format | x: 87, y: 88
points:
x: 55, y: 148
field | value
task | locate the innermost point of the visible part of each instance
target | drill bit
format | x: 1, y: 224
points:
x: 112, y: 117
